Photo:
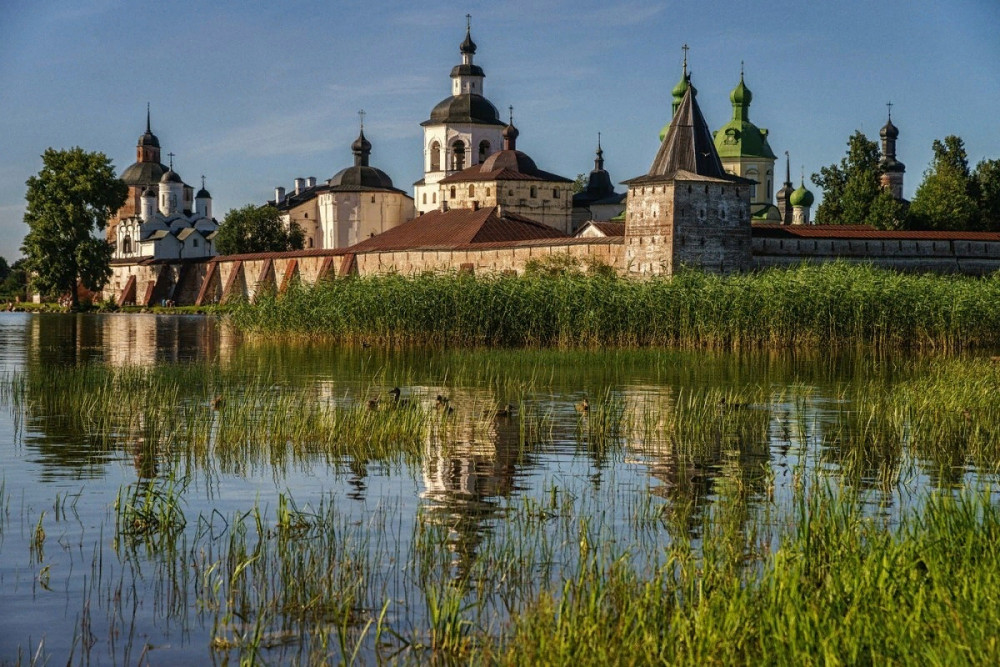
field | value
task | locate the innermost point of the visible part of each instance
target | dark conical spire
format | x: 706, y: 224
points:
x: 148, y: 138
x: 599, y: 159
x: 688, y: 145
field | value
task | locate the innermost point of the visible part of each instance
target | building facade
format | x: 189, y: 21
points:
x: 463, y: 129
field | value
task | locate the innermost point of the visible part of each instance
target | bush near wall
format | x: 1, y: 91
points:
x: 833, y: 304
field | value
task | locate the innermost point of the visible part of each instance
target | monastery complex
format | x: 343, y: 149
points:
x: 482, y: 206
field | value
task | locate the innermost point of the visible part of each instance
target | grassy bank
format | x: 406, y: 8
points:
x: 807, y: 306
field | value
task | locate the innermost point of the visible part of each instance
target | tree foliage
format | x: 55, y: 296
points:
x: 70, y: 199
x: 986, y: 187
x: 945, y: 199
x: 15, y: 283
x: 256, y: 229
x: 852, y: 192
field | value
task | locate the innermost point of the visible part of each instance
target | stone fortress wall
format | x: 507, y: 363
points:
x: 222, y: 279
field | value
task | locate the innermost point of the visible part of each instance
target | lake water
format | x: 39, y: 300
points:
x: 490, y: 505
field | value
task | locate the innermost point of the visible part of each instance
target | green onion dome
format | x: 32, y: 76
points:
x: 801, y: 197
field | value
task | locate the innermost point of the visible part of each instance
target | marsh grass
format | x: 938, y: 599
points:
x: 702, y: 567
x: 836, y: 304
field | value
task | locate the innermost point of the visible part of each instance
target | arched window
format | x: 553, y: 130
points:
x: 487, y: 192
x: 453, y: 192
x: 752, y: 175
x: 484, y: 150
x: 458, y: 156
x: 425, y: 197
x: 555, y: 193
x: 472, y: 190
x: 434, y: 197
x: 435, y: 150
x: 127, y: 245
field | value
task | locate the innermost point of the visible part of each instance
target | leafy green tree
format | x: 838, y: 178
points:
x: 986, y: 185
x: 580, y: 184
x: 256, y: 229
x: 15, y: 283
x: 70, y: 199
x: 4, y: 269
x: 945, y: 200
x: 852, y: 192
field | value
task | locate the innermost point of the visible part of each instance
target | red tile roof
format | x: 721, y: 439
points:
x: 608, y: 228
x: 775, y: 230
x: 456, y: 228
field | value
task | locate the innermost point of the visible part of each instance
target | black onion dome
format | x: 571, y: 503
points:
x: 363, y: 177
x: 143, y: 173
x: 510, y: 132
x: 468, y: 46
x: 465, y: 108
x: 510, y: 159
x: 361, y: 144
x: 889, y: 131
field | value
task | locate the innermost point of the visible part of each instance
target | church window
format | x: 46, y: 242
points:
x: 373, y: 199
x: 487, y: 192
x: 435, y: 150
x: 453, y: 192
x: 434, y: 197
x: 425, y: 197
x: 472, y: 190
x: 769, y: 188
x: 458, y: 156
x: 127, y: 245
x: 305, y: 215
x: 555, y: 193
x: 310, y: 242
x: 484, y: 150
x: 195, y: 244
x: 534, y: 192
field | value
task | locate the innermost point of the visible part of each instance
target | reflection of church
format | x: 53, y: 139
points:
x: 468, y: 467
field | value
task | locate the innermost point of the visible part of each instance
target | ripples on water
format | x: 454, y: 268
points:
x: 472, y: 490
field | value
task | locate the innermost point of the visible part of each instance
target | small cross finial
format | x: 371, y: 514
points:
x: 741, y: 70
x: 171, y: 156
x: 361, y: 115
x: 468, y: 22
x: 147, y: 116
x: 203, y: 181
x: 889, y: 105
x: 802, y: 175
x: 598, y: 141
x: 511, y: 109
x: 685, y: 50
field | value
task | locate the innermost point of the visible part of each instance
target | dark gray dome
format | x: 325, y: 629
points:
x: 467, y: 70
x: 170, y: 176
x: 465, y: 108
x: 143, y: 173
x: 510, y: 159
x: 203, y: 194
x: 361, y: 176
x: 149, y: 139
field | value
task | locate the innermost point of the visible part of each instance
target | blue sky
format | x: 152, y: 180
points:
x: 253, y: 94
